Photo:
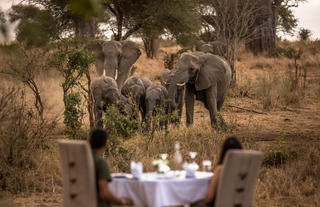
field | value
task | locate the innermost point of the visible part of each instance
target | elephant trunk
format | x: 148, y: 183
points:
x: 172, y: 91
x: 123, y: 72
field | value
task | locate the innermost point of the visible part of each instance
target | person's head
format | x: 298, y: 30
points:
x: 98, y: 138
x: 230, y: 143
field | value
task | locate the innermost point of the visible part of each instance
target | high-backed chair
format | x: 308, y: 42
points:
x: 238, y: 178
x: 79, y: 186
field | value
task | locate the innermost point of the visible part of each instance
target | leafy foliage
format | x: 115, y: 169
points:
x: 280, y: 154
x: 73, y: 65
x: 73, y: 116
x: 120, y: 127
x: 304, y: 34
x: 118, y: 124
x: 287, y: 22
x: 37, y: 27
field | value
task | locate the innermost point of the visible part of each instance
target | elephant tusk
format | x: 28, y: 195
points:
x: 165, y: 83
x: 104, y: 72
x: 181, y: 84
x: 116, y: 75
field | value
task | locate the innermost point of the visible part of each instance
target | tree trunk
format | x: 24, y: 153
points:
x: 90, y: 101
x: 150, y: 46
x: 265, y: 23
x: 86, y: 28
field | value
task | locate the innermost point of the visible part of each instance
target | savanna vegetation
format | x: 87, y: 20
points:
x: 273, y: 104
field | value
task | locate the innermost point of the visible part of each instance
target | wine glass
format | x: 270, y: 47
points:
x: 164, y: 156
x: 193, y: 155
x: 206, y: 165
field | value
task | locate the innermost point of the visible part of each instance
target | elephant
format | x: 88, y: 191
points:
x: 179, y: 96
x: 135, y: 87
x: 209, y: 47
x: 202, y: 46
x: 207, y: 78
x: 105, y: 93
x: 114, y: 58
x: 156, y: 101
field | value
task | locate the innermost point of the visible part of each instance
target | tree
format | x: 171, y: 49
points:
x: 67, y: 16
x: 37, y: 27
x: 149, y: 19
x: 229, y: 24
x: 304, y: 34
x: 24, y: 65
x: 276, y: 15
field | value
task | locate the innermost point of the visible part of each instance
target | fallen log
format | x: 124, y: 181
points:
x: 245, y: 109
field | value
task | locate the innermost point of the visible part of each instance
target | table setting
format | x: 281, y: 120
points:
x: 171, y: 184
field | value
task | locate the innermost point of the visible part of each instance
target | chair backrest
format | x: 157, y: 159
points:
x: 79, y: 186
x: 238, y: 178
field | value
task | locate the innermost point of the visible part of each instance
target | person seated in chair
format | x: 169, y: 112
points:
x: 230, y: 143
x: 98, y: 142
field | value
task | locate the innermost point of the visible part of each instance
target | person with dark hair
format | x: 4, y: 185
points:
x: 98, y: 142
x: 230, y: 143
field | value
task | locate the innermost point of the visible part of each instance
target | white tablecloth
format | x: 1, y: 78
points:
x: 152, y: 190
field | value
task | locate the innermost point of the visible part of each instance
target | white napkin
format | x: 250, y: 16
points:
x: 136, y: 169
x: 191, y: 169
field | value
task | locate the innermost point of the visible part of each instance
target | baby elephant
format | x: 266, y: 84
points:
x: 156, y: 104
x: 105, y: 93
x: 135, y: 88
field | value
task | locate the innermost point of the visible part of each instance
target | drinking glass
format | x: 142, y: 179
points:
x: 193, y: 155
x: 164, y: 156
x: 206, y: 165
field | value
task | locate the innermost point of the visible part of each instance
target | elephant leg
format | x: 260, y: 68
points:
x: 178, y: 120
x: 189, y: 99
x: 143, y: 112
x: 223, y: 122
x: 211, y: 102
x: 219, y: 106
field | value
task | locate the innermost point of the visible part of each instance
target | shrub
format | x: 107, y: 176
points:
x: 73, y: 116
x: 23, y: 139
x: 120, y: 128
x: 280, y: 154
x: 73, y: 65
x: 118, y: 124
x: 304, y: 34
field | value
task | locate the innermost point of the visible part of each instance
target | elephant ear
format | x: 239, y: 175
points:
x: 130, y: 52
x: 97, y: 48
x: 205, y: 75
x: 199, y: 45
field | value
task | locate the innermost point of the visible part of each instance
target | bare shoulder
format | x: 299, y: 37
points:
x: 217, y: 169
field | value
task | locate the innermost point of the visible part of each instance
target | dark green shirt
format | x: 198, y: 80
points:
x: 102, y: 173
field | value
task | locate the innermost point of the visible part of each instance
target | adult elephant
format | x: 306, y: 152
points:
x: 212, y: 47
x: 115, y: 58
x: 179, y: 95
x: 135, y: 88
x: 207, y: 78
x: 105, y: 93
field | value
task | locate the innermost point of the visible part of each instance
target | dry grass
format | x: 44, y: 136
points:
x: 263, y: 85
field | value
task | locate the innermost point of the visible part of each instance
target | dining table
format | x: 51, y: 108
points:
x: 154, y: 189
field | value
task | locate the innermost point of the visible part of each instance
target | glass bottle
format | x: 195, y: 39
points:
x: 177, y: 157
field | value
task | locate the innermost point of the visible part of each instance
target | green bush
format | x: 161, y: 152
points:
x: 280, y: 154
x: 73, y: 116
x: 120, y: 127
x: 118, y: 124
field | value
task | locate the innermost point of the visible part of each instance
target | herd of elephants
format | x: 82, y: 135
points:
x: 200, y: 75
